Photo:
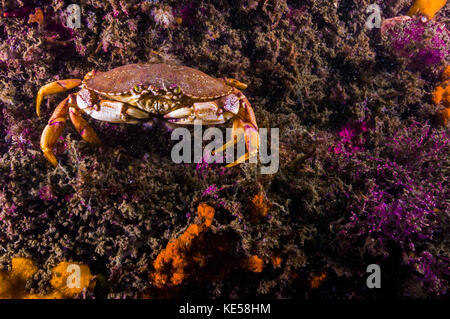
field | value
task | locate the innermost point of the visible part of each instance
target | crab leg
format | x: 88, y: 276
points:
x: 57, y: 123
x: 207, y: 112
x: 82, y: 126
x: 236, y: 135
x: 245, y: 126
x: 53, y: 130
x: 250, y: 133
x: 234, y: 83
x: 54, y: 87
x: 114, y: 112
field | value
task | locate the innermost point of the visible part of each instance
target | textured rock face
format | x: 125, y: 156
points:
x: 362, y: 175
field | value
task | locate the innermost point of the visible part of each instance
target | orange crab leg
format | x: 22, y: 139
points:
x: 235, y: 83
x: 236, y: 134
x: 90, y: 75
x: 251, y: 135
x: 53, y: 130
x: 67, y: 108
x: 54, y: 87
x: 82, y: 126
x: 243, y: 126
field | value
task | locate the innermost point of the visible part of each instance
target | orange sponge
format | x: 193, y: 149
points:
x: 426, y: 7
x: 61, y: 275
x: 442, y: 95
x: 254, y: 263
x: 12, y: 284
x: 171, y: 263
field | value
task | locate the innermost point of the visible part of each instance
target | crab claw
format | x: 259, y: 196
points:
x: 54, y: 87
x: 53, y: 130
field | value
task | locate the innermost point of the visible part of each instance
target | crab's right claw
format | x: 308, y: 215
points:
x: 48, y: 140
x: 53, y: 130
x: 54, y: 87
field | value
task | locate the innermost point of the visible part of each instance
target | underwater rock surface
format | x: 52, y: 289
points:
x: 364, y: 167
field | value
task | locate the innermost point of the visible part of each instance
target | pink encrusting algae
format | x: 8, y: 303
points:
x: 363, y: 164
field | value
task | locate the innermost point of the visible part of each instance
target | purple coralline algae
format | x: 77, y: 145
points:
x: 423, y: 43
x: 405, y: 202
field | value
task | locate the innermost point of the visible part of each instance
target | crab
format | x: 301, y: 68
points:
x: 135, y: 93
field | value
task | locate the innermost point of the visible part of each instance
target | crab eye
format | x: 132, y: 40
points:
x: 177, y: 90
x: 137, y: 89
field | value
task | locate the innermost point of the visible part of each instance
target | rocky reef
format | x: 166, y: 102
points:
x: 364, y: 162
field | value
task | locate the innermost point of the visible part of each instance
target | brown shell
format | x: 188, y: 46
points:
x: 193, y: 83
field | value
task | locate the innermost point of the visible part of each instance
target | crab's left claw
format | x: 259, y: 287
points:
x: 54, y: 87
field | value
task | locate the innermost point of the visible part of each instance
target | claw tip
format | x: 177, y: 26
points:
x: 38, y: 106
